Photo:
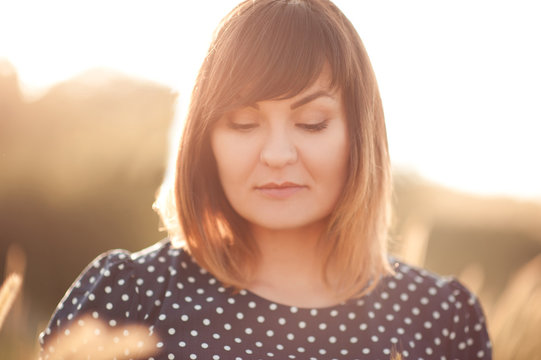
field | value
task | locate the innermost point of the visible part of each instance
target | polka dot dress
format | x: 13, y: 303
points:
x: 413, y: 313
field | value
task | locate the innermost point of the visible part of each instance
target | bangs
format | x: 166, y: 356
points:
x: 273, y: 50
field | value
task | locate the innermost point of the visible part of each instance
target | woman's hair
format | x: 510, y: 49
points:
x: 274, y: 49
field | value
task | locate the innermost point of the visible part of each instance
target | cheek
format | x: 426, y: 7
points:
x: 232, y: 159
x: 328, y: 161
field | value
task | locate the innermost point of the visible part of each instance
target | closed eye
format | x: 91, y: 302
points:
x: 314, y: 127
x: 242, y: 127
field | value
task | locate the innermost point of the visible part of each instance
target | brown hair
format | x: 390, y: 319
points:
x: 274, y: 49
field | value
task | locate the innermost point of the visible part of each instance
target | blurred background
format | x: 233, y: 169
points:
x: 88, y: 94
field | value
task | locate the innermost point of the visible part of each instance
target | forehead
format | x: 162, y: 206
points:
x: 322, y: 85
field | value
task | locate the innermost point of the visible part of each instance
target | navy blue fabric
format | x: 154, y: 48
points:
x: 416, y: 313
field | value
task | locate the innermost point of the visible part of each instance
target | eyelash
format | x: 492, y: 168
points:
x: 308, y: 127
x: 314, y: 127
x: 241, y: 127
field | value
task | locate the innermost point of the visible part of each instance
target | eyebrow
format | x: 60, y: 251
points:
x: 311, y: 97
x: 305, y: 100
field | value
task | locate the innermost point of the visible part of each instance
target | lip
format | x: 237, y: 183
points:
x: 281, y: 190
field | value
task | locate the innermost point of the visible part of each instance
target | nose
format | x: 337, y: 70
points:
x: 278, y: 150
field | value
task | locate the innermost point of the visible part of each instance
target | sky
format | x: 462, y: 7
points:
x: 460, y: 81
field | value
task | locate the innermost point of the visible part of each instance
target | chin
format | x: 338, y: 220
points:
x: 285, y: 223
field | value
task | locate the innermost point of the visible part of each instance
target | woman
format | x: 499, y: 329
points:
x: 281, y: 212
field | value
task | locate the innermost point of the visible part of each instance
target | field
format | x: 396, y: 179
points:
x: 80, y: 167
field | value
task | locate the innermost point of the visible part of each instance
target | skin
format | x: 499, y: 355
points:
x: 283, y: 165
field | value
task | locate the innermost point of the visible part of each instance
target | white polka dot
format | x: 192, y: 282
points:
x: 109, y: 306
x: 240, y: 316
x: 332, y: 339
x: 248, y: 331
x: 171, y: 331
x: 270, y: 333
x: 322, y: 326
x: 193, y: 332
x: 480, y: 353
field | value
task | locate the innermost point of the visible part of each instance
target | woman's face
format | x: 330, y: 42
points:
x: 283, y: 163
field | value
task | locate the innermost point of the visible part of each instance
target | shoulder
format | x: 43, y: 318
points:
x: 111, y: 289
x: 424, y: 285
x: 437, y: 310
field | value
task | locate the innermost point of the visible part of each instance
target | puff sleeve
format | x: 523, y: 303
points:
x: 105, y: 291
x: 468, y: 336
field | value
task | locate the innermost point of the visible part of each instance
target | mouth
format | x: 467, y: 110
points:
x: 281, y: 190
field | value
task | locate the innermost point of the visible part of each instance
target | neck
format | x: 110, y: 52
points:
x: 290, y: 270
